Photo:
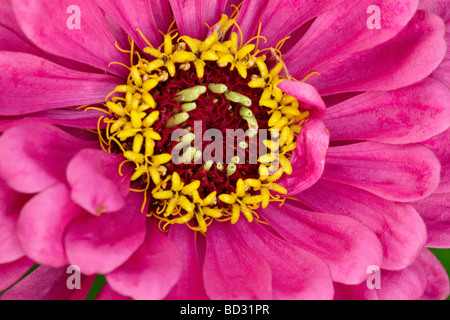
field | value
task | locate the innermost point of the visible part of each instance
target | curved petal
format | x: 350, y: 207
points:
x: 43, y: 85
x: 35, y: 155
x: 270, y: 12
x: 307, y: 95
x: 131, y: 15
x: 394, y: 223
x: 96, y: 184
x: 405, y: 284
x: 191, y: 15
x: 435, y: 211
x: 296, y: 273
x: 397, y: 173
x: 438, y: 287
x: 228, y: 264
x: 388, y: 66
x: 190, y: 285
x: 101, y: 244
x: 42, y: 224
x: 403, y: 116
x: 346, y: 245
x: 10, y: 204
x: 47, y: 26
x: 308, y: 160
x: 440, y: 146
x: 344, y: 30
x: 47, y: 283
x: 151, y: 271
x: 11, y: 272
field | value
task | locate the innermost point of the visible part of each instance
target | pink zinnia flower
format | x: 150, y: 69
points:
x: 362, y: 115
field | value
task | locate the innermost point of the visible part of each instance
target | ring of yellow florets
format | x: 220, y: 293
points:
x: 134, y: 117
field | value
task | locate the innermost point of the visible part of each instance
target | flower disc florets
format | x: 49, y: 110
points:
x: 188, y: 91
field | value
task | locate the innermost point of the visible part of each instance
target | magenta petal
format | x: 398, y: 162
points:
x: 296, y: 273
x: 47, y: 26
x: 397, y: 173
x: 35, y: 155
x: 107, y: 293
x: 44, y: 85
x: 405, y: 284
x: 101, y: 244
x: 232, y: 270
x: 440, y: 146
x: 191, y: 15
x: 190, y: 284
x: 394, y: 223
x: 42, y: 224
x: 307, y: 95
x: 96, y: 183
x: 388, y: 66
x: 47, y: 283
x: 438, y: 287
x: 308, y: 160
x: 346, y: 245
x: 131, y: 15
x: 10, y: 204
x: 343, y: 30
x: 151, y: 271
x: 271, y: 12
x: 13, y: 271
x: 406, y: 115
x: 435, y: 211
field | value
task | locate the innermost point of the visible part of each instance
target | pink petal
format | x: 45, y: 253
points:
x: 152, y: 270
x: 162, y: 14
x: 308, y: 160
x: 379, y: 68
x: 101, y: 244
x: 232, y: 270
x: 397, y: 173
x: 440, y: 146
x: 296, y: 273
x: 406, y: 115
x: 307, y: 95
x: 35, y: 155
x: 42, y: 224
x: 438, y: 287
x: 191, y: 15
x: 406, y: 284
x: 62, y: 117
x: 96, y: 183
x: 47, y: 27
x: 435, y: 211
x: 346, y: 245
x: 107, y: 293
x: 343, y: 30
x: 44, y: 85
x: 10, y: 204
x: 13, y: 271
x: 190, y: 284
x: 394, y: 223
x: 131, y: 15
x: 47, y: 283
